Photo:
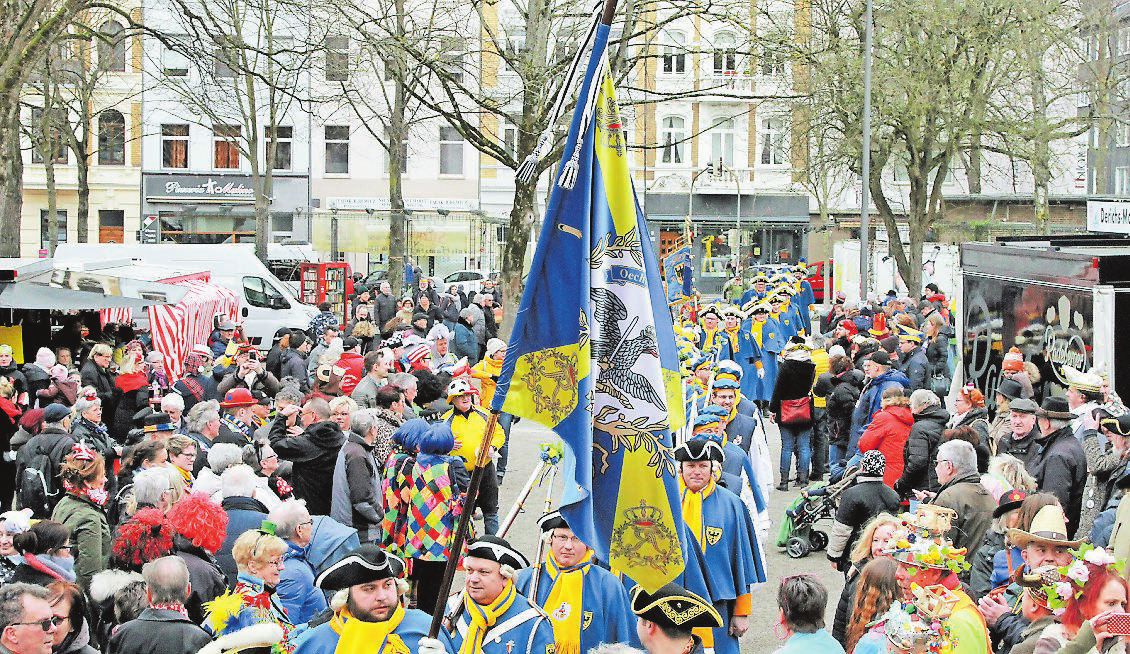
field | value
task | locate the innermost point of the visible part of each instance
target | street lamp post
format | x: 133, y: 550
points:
x: 865, y: 195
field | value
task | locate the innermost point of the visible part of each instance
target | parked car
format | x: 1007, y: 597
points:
x: 470, y: 280
x: 818, y: 271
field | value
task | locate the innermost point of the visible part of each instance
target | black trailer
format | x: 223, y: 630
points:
x: 1063, y: 301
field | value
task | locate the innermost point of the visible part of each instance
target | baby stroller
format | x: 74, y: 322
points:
x: 816, y: 502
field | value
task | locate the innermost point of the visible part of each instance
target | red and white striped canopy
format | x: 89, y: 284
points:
x: 175, y: 328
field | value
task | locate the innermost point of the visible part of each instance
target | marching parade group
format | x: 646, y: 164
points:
x: 306, y: 500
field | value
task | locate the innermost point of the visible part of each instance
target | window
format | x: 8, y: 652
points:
x: 111, y: 138
x: 48, y: 134
x: 450, y: 151
x: 173, y: 62
x: 221, y: 64
x: 675, y: 54
x: 1122, y: 180
x: 337, y: 149
x: 672, y: 135
x: 44, y: 224
x: 112, y: 47
x: 225, y: 147
x: 772, y: 60
x: 774, y: 141
x: 453, y: 57
x: 260, y: 293
x: 901, y: 174
x: 725, y: 54
x: 337, y: 59
x: 722, y: 142
x: 282, y: 227
x: 284, y: 139
x: 1122, y: 135
x: 174, y: 146
x: 1124, y: 41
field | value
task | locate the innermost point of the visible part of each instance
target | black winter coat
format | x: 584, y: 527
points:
x: 1060, y: 468
x: 794, y: 381
x: 982, y: 571
x: 919, y: 451
x: 862, y: 501
x: 37, y: 380
x: 842, y: 392
x: 158, y: 631
x: 1023, y: 449
x: 204, y: 574
x: 847, y: 599
x: 103, y: 383
x: 314, y: 454
x: 938, y: 354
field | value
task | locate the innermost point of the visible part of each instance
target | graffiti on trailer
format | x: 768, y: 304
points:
x: 1051, y: 326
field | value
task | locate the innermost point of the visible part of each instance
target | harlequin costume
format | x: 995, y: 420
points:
x: 732, y: 558
x: 511, y: 624
x: 586, y: 604
x: 246, y: 612
x: 344, y: 634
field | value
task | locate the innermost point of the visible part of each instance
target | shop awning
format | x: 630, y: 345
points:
x: 30, y: 295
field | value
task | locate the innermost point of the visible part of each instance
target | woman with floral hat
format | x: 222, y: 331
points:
x: 1091, y: 589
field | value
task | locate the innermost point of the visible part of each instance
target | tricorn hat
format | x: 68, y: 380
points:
x: 365, y: 564
x: 493, y: 548
x: 674, y: 606
x: 700, y: 450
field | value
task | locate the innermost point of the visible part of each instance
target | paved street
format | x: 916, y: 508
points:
x: 524, y: 440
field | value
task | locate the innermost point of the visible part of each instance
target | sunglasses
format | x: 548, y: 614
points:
x: 45, y: 624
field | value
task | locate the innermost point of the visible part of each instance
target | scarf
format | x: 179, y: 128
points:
x: 359, y: 636
x: 175, y: 607
x: 482, y: 618
x: 755, y: 330
x: 187, y: 476
x: 564, y: 602
x: 710, y: 339
x: 56, y: 566
x: 733, y: 335
x: 692, y: 507
x: 97, y: 496
x: 9, y: 408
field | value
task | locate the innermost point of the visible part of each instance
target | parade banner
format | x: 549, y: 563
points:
x: 592, y: 353
x: 677, y: 273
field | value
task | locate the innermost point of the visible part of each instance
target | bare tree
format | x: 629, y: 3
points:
x: 254, y: 59
x: 30, y: 28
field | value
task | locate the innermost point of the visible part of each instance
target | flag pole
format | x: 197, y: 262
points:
x: 521, y: 501
x: 456, y: 548
x: 458, y: 537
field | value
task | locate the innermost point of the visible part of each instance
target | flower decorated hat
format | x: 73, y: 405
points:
x: 923, y: 544
x: 1074, y: 576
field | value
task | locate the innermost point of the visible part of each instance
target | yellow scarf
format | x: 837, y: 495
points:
x: 733, y: 334
x: 692, y: 508
x: 564, y: 602
x: 692, y: 514
x: 755, y: 329
x: 359, y: 637
x: 710, y: 338
x: 481, y: 618
x: 187, y: 478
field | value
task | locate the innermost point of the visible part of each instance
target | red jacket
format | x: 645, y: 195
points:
x: 887, y: 433
x: 354, y: 365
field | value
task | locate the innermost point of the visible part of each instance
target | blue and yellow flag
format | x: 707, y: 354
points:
x: 677, y: 274
x: 592, y: 354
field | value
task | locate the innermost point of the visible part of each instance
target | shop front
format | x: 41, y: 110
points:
x: 727, y: 230
x: 205, y: 208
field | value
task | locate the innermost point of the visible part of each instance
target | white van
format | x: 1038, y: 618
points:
x: 268, y: 303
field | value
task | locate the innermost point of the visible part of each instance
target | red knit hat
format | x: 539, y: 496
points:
x: 1013, y: 360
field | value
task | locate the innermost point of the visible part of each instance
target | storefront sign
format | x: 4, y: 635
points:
x: 1110, y: 216
x: 1050, y: 325
x: 383, y: 204
x: 214, y: 188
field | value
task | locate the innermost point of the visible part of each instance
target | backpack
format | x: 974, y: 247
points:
x: 36, y: 488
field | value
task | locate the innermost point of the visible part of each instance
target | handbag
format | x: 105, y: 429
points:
x: 796, y: 412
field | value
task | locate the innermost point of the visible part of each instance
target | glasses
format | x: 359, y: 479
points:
x: 66, y: 548
x: 45, y: 624
x: 562, y: 538
x: 278, y: 563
